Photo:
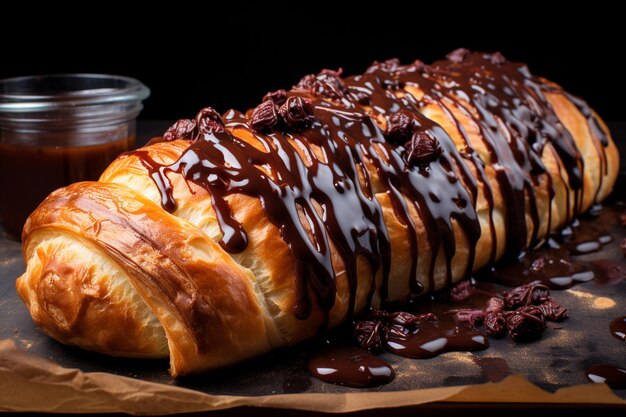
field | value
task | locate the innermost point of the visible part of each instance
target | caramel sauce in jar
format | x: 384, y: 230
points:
x: 29, y: 173
x: 59, y: 129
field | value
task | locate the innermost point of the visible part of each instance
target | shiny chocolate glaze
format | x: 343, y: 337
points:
x: 311, y: 166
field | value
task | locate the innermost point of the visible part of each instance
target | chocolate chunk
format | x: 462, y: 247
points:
x: 400, y: 128
x: 623, y: 246
x: 296, y: 112
x: 525, y: 295
x: 553, y: 311
x: 497, y: 58
x: 526, y: 324
x: 495, y: 323
x: 182, y: 129
x: 327, y: 83
x: 370, y: 334
x: 622, y: 219
x: 264, y: 116
x: 470, y: 316
x: 209, y: 121
x: 278, y: 97
x: 462, y: 291
x: 494, y: 304
x: 404, y: 319
x: 422, y: 149
x: 390, y: 65
x: 458, y: 55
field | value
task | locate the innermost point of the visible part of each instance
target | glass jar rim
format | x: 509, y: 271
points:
x: 36, y: 93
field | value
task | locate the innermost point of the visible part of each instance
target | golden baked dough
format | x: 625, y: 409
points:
x: 232, y: 236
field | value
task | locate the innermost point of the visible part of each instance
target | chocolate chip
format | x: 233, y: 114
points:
x: 296, y: 112
x: 278, y: 97
x: 400, y: 128
x: 526, y: 294
x: 182, y: 129
x: 497, y: 58
x: 422, y: 149
x: 209, y: 121
x: 264, y: 116
x: 495, y: 323
x: 369, y: 334
x: 526, y: 324
x: 553, y: 311
x: 458, y: 55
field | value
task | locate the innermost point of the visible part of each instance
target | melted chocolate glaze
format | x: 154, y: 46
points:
x: 618, y: 328
x: 433, y: 338
x: 350, y: 366
x: 611, y: 375
x: 311, y: 172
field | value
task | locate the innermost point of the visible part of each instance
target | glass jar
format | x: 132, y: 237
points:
x: 59, y: 129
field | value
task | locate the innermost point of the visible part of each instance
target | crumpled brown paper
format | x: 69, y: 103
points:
x: 31, y: 383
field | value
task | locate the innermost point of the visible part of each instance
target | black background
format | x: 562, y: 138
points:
x: 228, y: 57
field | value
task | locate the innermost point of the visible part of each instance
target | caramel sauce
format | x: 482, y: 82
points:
x: 29, y: 173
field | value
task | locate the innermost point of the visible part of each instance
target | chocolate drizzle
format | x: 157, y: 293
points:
x: 311, y: 166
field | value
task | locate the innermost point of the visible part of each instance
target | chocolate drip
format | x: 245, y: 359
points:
x: 310, y: 168
x: 515, y: 121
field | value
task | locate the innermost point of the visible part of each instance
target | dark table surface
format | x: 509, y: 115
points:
x: 557, y: 360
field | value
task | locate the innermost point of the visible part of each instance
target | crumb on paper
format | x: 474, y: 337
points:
x: 26, y: 344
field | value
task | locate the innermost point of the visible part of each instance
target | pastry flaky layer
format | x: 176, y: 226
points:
x: 236, y: 234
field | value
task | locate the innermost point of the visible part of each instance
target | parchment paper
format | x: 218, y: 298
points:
x: 31, y: 383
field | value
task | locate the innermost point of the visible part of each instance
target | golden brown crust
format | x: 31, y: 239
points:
x: 217, y: 308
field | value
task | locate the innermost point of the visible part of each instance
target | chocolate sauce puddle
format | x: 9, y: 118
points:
x: 618, y: 328
x: 350, y: 366
x: 611, y: 375
x: 434, y: 338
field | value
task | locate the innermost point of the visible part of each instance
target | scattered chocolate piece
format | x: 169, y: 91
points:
x: 369, y: 334
x: 408, y: 320
x: 526, y: 294
x: 470, y: 316
x: 422, y: 149
x: 494, y: 304
x: 462, y: 291
x: 622, y: 219
x: 296, y: 112
x: 278, y: 97
x: 264, y: 116
x: 182, y: 129
x: 400, y: 128
x: 623, y: 246
x: 495, y: 323
x: 553, y: 311
x: 209, y: 121
x: 525, y: 324
x: 458, y: 55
